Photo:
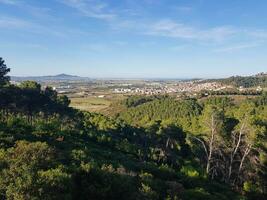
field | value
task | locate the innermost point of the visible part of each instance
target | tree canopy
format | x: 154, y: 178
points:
x: 3, y: 73
x: 155, y: 148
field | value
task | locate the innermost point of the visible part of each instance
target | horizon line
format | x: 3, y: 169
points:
x: 137, y: 78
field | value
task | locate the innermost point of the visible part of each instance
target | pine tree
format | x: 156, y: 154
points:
x: 3, y: 72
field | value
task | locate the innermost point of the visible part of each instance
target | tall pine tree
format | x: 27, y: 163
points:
x: 3, y: 72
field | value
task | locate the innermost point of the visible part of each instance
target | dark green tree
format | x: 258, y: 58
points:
x: 3, y: 73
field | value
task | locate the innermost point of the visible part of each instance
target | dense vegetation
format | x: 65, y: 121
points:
x: 156, y: 148
x: 245, y: 81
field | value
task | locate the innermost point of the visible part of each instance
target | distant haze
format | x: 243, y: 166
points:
x: 67, y: 77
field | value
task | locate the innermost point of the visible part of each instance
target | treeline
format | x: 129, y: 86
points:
x: 228, y: 92
x: 29, y: 100
x: 156, y: 148
x: 244, y: 81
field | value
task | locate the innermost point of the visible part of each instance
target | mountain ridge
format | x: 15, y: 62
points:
x: 57, y: 77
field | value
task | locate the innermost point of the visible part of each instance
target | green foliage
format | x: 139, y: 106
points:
x: 17, y: 125
x: 134, y: 101
x: 182, y: 112
x: 3, y: 73
x: 98, y: 184
x: 31, y: 86
x: 47, y: 128
x: 249, y: 187
x: 54, y: 184
x: 21, y: 166
x: 249, y: 81
x: 152, y: 150
x: 201, y: 194
x: 190, y: 171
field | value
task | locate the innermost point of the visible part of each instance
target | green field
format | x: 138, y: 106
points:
x: 94, y: 103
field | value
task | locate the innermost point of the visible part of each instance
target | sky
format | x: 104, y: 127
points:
x: 134, y: 38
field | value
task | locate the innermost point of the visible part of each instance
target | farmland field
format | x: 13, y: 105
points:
x: 94, y: 103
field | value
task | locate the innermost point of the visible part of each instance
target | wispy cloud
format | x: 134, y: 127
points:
x: 169, y: 28
x: 238, y: 47
x: 118, y: 20
x: 122, y: 20
x: 261, y: 34
x: 28, y: 45
x: 31, y: 9
x: 14, y: 23
x: 91, y: 8
x: 9, y: 2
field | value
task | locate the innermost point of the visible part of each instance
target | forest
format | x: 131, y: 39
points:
x: 154, y: 147
x: 244, y: 81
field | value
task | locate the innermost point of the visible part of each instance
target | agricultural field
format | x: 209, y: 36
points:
x: 94, y: 103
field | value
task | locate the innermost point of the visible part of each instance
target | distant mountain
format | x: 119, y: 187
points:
x: 59, y: 77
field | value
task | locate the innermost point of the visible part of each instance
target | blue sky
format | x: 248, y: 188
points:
x: 134, y: 38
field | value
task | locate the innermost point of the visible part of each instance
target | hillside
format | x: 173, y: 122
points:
x: 155, y: 148
x: 244, y: 81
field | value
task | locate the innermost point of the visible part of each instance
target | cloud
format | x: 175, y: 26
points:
x: 169, y: 28
x: 123, y: 20
x: 237, y: 47
x: 261, y: 34
x: 28, y: 45
x: 91, y: 8
x: 33, y: 10
x: 119, y: 20
x: 9, y: 2
x: 14, y: 23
